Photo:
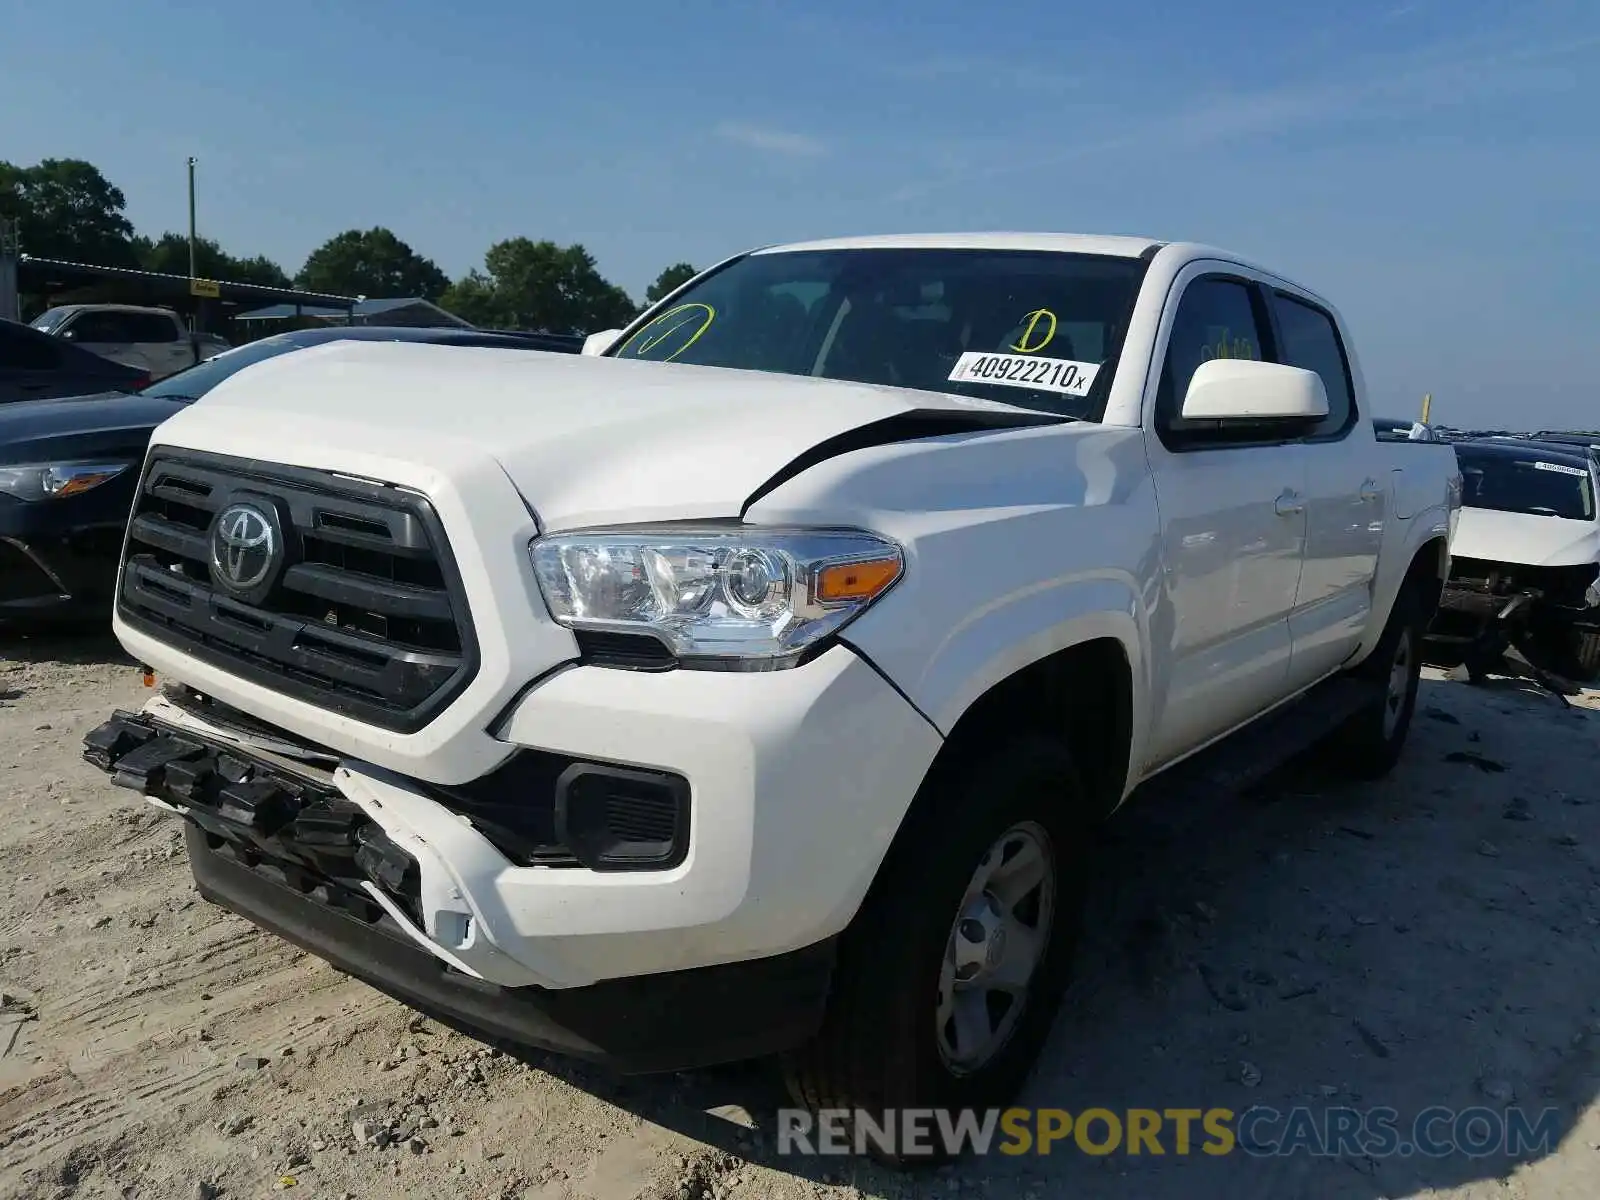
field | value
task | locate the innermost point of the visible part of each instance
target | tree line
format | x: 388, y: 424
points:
x: 67, y: 209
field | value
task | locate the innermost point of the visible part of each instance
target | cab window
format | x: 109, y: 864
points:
x: 1309, y: 339
x: 1216, y: 318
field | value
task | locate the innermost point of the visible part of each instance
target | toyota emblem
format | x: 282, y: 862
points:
x: 244, y: 547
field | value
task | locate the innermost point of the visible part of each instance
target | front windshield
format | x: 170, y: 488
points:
x: 194, y: 382
x: 1525, y: 485
x: 1037, y: 329
x: 50, y: 318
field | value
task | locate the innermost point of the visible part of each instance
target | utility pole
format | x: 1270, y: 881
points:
x: 9, y: 252
x: 192, y: 271
x: 1427, y: 404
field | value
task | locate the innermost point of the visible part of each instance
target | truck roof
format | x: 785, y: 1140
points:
x: 137, y: 308
x: 1071, y: 243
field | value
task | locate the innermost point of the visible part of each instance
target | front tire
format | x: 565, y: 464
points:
x: 1370, y: 743
x: 949, y: 979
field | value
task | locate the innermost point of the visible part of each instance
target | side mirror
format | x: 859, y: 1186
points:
x: 1242, y: 389
x: 599, y: 343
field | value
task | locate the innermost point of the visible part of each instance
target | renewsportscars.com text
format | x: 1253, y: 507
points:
x: 1260, y: 1131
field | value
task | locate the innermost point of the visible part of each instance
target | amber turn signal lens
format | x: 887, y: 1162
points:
x: 858, y: 580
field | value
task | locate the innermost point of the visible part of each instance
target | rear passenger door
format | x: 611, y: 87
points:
x: 1346, y: 497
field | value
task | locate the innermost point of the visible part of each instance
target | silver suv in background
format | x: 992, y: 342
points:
x: 151, y: 339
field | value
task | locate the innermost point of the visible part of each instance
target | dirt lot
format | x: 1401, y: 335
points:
x: 1429, y: 941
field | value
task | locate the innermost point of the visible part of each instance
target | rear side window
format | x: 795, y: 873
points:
x: 23, y: 350
x: 99, y: 328
x: 149, y: 327
x: 1309, y: 339
x: 1216, y: 318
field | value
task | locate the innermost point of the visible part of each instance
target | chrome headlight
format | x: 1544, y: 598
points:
x: 722, y: 597
x: 56, y: 481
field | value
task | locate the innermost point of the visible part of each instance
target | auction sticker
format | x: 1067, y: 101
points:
x: 1561, y: 468
x: 1026, y: 371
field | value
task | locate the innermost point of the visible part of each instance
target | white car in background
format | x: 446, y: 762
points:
x: 1525, y: 563
x: 150, y: 339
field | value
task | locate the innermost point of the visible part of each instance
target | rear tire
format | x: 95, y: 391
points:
x: 1370, y: 743
x: 949, y: 979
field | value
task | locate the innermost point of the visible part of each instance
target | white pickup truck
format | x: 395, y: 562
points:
x: 748, y: 684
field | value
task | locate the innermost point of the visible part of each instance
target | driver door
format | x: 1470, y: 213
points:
x: 1233, y: 530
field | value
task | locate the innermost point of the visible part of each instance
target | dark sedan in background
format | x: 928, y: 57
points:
x: 69, y: 468
x: 37, y: 366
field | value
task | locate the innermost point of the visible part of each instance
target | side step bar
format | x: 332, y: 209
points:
x: 1233, y: 765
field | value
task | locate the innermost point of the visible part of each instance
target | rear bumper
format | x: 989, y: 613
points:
x: 279, y: 844
x: 671, y: 1022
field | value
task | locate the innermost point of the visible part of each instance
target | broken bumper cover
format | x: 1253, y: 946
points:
x: 288, y: 851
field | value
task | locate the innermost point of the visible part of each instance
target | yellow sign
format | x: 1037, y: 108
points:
x: 205, y: 287
x: 1024, y: 345
x: 689, y: 317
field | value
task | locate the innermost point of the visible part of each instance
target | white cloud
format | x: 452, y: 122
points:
x: 771, y: 141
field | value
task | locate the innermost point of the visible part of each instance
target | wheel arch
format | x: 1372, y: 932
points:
x: 1427, y: 569
x: 1082, y: 696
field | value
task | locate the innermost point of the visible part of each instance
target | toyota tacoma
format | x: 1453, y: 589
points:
x: 750, y: 683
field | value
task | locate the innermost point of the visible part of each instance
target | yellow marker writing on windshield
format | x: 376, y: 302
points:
x: 687, y: 314
x: 1023, y: 345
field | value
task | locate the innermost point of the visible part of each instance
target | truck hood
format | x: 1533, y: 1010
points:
x: 1525, y: 538
x: 585, y: 440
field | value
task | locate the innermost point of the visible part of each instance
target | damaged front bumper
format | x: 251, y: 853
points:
x: 1537, y: 614
x: 274, y: 835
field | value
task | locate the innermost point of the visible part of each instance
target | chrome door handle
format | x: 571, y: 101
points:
x: 1288, y: 504
x: 1370, y: 493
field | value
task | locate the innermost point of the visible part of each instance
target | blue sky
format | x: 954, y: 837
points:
x: 1433, y: 166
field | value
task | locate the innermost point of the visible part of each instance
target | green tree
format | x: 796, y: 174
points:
x: 169, y: 255
x: 539, y: 285
x: 474, y: 298
x: 373, y: 263
x: 669, y: 281
x: 65, y: 208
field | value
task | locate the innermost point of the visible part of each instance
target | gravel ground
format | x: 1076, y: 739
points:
x: 1428, y: 940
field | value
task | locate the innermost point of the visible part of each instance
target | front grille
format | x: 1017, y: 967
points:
x: 365, y: 618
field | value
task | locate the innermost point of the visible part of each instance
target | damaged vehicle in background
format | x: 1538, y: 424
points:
x: 1525, y: 569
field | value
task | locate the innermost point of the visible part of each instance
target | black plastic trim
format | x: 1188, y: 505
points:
x: 624, y: 651
x: 293, y: 823
x: 592, y: 835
